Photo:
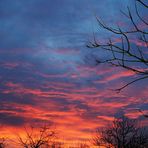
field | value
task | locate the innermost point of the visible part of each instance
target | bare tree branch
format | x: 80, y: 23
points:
x: 36, y: 139
x: 123, y: 133
x: 124, y: 53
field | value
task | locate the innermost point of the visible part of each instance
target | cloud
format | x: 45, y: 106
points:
x: 117, y: 75
x: 44, y: 78
x: 11, y: 119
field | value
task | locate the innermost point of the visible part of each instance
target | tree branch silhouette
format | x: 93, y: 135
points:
x: 125, y: 54
x: 123, y: 133
x: 37, y: 139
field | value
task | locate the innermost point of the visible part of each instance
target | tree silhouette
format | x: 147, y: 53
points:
x: 124, y: 133
x: 37, y: 139
x: 123, y: 53
x: 2, y: 142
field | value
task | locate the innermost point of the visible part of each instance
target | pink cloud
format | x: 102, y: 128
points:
x: 67, y: 51
x: 114, y: 75
x: 107, y: 118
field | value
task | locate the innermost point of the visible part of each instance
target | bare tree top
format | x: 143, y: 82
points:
x: 126, y: 54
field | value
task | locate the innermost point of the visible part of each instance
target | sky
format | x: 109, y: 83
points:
x: 47, y: 74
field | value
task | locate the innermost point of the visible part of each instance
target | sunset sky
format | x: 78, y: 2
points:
x: 47, y: 74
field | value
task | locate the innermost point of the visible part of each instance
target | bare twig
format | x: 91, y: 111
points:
x: 124, y: 54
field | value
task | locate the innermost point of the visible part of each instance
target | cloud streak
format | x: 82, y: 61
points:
x: 44, y: 77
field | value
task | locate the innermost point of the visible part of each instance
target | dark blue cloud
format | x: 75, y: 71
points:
x: 42, y: 66
x: 29, y: 23
x: 10, y: 119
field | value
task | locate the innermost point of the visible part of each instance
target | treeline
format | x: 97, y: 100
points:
x: 122, y: 133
